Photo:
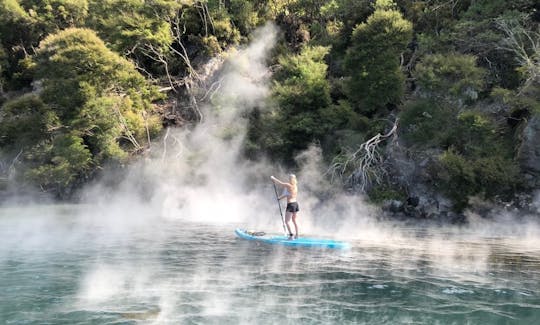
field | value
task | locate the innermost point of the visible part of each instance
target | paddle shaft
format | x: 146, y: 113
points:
x: 281, y: 213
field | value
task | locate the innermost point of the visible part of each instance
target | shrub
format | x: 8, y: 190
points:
x: 427, y: 123
x: 450, y: 75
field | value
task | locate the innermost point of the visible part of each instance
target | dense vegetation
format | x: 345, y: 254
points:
x: 79, y: 87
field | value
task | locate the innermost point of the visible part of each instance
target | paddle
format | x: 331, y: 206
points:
x: 281, y: 213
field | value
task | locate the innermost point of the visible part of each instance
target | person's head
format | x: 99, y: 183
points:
x: 292, y: 179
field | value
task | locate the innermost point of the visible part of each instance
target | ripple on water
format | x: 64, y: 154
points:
x: 174, y: 273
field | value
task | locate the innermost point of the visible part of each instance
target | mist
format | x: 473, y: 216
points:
x: 197, y: 179
x: 198, y: 175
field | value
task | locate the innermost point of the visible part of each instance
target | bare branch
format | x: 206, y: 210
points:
x: 14, y: 161
x: 176, y: 142
x: 214, y: 87
x: 525, y: 45
x: 364, y: 166
x: 150, y: 51
x: 128, y: 135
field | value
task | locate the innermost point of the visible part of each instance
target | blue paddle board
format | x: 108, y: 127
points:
x: 283, y: 240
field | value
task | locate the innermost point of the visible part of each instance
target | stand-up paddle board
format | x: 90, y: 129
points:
x: 284, y: 240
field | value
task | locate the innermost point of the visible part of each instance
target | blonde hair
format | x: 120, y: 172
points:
x: 292, y: 178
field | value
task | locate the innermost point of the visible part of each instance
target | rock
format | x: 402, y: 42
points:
x: 529, y: 151
x: 393, y: 206
x: 413, y: 201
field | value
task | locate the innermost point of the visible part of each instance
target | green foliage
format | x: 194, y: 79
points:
x: 301, y: 95
x: 15, y: 32
x: 433, y: 17
x: 460, y: 177
x: 477, y: 158
x: 12, y: 14
x: 94, y: 107
x: 427, y: 123
x: 3, y: 67
x: 453, y: 75
x: 25, y: 119
x: 129, y: 24
x: 339, y: 71
x: 224, y: 31
x: 61, y: 163
x: 304, y: 82
x: 486, y: 9
x: 52, y: 15
x: 305, y: 113
x: 244, y: 15
x: 477, y: 33
x: 99, y: 124
x: 475, y: 135
x: 26, y: 23
x: 372, y: 60
x: 76, y: 66
x: 380, y: 193
x: 84, y: 81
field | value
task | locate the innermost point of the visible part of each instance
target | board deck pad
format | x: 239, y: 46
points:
x: 284, y: 240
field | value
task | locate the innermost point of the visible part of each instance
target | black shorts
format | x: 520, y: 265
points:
x: 292, y: 207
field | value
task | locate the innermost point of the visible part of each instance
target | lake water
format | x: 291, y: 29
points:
x: 60, y: 266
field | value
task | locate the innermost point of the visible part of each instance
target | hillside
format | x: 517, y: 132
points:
x: 427, y: 107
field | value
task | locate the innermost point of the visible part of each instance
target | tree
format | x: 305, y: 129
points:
x: 301, y: 95
x: 372, y: 60
x: 25, y: 119
x: 84, y: 81
x: 53, y: 15
x: 525, y: 46
x: 129, y: 24
x: 451, y: 76
x: 67, y: 161
x: 24, y: 23
x: 93, y: 107
x: 16, y: 37
x: 301, y: 92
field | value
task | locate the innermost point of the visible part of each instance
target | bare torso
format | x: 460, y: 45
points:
x: 293, y: 191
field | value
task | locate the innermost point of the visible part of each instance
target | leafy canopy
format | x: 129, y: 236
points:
x: 372, y: 60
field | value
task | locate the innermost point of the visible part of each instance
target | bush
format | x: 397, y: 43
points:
x: 453, y: 75
x: 457, y: 178
x: 61, y: 164
x: 427, y: 123
x: 462, y: 177
x: 25, y: 120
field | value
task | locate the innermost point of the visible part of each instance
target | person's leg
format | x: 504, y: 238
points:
x: 295, y: 225
x: 288, y: 215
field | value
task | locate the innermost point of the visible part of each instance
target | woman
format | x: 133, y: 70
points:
x: 290, y: 192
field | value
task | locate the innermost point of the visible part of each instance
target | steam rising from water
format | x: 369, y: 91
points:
x: 199, y: 175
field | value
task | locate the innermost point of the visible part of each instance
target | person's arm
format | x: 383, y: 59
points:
x: 275, y: 180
